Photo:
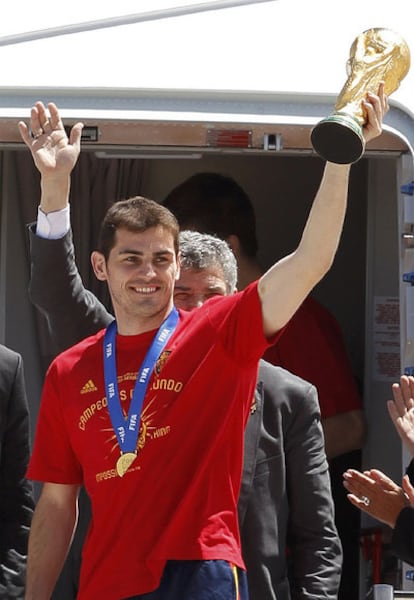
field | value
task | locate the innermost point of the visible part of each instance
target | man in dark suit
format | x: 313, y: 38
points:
x: 16, y: 500
x: 285, y: 501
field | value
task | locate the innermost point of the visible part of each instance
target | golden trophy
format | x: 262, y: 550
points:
x: 376, y: 55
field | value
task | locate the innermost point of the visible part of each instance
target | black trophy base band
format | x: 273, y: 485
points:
x: 337, y: 142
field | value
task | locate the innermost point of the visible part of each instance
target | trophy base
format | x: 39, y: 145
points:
x: 338, y: 139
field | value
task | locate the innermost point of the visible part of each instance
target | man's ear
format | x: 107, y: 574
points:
x: 177, y: 275
x: 234, y: 243
x: 99, y: 265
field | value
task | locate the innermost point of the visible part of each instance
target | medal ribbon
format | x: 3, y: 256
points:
x: 127, y: 429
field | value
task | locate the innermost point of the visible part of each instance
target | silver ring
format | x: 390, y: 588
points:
x: 36, y: 135
x: 365, y: 500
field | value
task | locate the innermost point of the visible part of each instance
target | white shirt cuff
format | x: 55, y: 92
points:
x: 53, y: 225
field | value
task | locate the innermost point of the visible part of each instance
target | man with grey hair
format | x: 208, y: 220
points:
x: 285, y: 497
x: 203, y: 254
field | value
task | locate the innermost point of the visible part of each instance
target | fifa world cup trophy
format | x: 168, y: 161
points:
x: 376, y: 55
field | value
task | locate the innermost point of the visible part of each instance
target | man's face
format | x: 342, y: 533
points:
x: 193, y: 287
x: 141, y: 271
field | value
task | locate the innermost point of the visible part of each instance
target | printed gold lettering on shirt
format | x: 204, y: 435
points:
x: 130, y: 376
x: 90, y: 411
x: 167, y: 384
x: 161, y: 432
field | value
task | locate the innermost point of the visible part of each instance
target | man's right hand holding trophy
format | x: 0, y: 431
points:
x: 377, y: 55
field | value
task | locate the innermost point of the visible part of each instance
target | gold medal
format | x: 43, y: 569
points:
x: 124, y: 462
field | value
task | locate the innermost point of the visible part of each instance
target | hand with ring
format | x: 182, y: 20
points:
x: 53, y: 153
x: 376, y: 494
x: 36, y: 134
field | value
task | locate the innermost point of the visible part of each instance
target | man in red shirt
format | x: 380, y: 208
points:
x: 149, y: 414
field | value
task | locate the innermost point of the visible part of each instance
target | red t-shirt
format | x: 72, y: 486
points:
x: 313, y: 348
x: 178, y: 499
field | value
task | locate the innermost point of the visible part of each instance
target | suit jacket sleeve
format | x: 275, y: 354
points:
x: 402, y: 541
x: 289, y: 508
x: 16, y: 499
x: 410, y: 471
x: 312, y: 536
x: 57, y: 290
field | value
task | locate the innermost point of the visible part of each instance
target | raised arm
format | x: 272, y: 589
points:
x: 56, y: 287
x: 285, y: 285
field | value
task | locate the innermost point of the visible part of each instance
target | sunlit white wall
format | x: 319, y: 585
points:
x: 281, y: 45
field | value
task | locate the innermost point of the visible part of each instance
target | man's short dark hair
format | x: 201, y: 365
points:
x: 135, y: 214
x: 215, y: 204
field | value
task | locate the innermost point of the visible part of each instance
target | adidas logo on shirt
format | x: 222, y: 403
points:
x: 89, y: 387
